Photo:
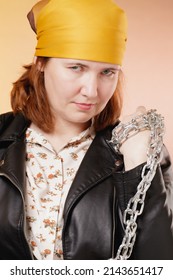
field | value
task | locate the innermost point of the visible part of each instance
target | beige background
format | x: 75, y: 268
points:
x: 148, y: 64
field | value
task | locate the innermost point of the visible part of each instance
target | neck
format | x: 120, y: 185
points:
x: 69, y: 129
x: 62, y: 133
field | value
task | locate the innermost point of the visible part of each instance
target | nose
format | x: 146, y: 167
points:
x: 90, y: 86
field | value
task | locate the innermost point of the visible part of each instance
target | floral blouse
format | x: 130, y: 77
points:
x: 49, y: 176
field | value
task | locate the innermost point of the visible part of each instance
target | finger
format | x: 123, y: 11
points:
x: 140, y: 110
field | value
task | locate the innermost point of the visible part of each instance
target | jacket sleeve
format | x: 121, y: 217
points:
x: 154, y: 239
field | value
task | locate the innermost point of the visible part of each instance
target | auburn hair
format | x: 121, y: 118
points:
x: 29, y: 96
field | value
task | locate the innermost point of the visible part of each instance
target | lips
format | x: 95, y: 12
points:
x: 84, y: 106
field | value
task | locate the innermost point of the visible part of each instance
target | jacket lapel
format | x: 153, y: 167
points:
x: 98, y: 163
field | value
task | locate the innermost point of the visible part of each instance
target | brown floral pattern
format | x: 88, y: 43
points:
x: 49, y: 176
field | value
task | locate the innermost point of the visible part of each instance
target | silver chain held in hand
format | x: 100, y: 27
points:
x: 155, y: 123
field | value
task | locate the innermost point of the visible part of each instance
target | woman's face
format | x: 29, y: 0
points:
x: 78, y: 90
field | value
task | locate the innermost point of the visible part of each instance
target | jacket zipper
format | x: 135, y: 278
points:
x: 5, y: 175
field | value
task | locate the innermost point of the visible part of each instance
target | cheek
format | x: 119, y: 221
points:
x: 58, y: 85
x: 49, y: 83
x: 108, y: 91
x: 115, y: 83
x: 53, y: 87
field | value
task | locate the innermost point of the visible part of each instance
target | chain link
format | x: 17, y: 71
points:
x: 155, y: 123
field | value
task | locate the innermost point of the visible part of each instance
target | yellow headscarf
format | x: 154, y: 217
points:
x: 80, y: 29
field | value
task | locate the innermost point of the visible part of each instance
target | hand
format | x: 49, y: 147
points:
x: 134, y: 149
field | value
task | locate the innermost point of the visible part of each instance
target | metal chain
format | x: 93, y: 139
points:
x: 155, y: 123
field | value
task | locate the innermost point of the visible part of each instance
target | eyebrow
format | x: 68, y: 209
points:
x: 79, y: 64
x: 112, y: 68
x: 117, y: 67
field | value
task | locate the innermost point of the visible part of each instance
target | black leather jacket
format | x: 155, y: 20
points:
x: 93, y: 227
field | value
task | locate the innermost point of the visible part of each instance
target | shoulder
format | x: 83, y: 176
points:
x: 107, y: 132
x: 5, y: 119
x: 11, y: 124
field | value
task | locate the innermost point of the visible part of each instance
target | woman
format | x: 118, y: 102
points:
x: 63, y: 186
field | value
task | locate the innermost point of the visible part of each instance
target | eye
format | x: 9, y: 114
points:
x: 108, y: 72
x: 76, y: 68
